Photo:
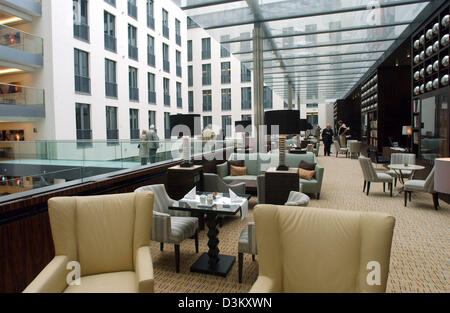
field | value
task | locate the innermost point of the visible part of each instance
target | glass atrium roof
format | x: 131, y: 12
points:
x: 320, y: 46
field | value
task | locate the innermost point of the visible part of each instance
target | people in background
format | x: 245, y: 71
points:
x: 327, y: 137
x: 153, y: 143
x: 317, y: 130
x: 342, y: 132
x: 143, y: 148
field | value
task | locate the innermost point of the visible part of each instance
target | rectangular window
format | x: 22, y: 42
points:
x: 110, y: 79
x: 268, y: 98
x: 206, y: 48
x: 150, y: 51
x: 133, y: 84
x: 112, y: 132
x: 166, y: 63
x: 167, y: 125
x: 246, y: 117
x: 206, y: 74
x: 110, y: 32
x: 179, y: 96
x: 189, y: 52
x: 225, y: 47
x: 83, y: 121
x: 226, y: 72
x: 166, y: 86
x: 132, y: 42
x: 207, y: 121
x: 82, y: 80
x: 226, y: 99
x: 178, y: 63
x: 150, y: 15
x: 132, y: 9
x: 80, y: 20
x: 207, y: 101
x: 246, y: 98
x: 312, y: 105
x: 246, y: 74
x: 190, y: 76
x: 151, y: 88
x: 245, y: 46
x: 191, y: 101
x: 151, y: 118
x: 165, y: 23
x: 134, y: 124
x: 226, y: 125
x: 178, y: 32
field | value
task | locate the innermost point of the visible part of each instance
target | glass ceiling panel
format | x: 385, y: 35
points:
x: 316, y: 39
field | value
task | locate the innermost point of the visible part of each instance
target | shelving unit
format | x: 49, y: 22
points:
x: 369, y: 111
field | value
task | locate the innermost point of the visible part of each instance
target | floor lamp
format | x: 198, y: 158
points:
x: 407, y: 131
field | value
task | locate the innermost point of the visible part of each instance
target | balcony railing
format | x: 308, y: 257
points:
x: 134, y: 94
x: 132, y: 10
x: 151, y: 59
x: 167, y: 100
x: 134, y: 134
x: 111, y: 89
x: 81, y: 31
x: 179, y: 71
x: 19, y: 40
x: 166, y: 66
x: 110, y: 43
x: 151, y: 97
x: 112, y: 134
x: 84, y: 134
x: 132, y: 52
x: 82, y: 84
x: 165, y: 31
x: 20, y: 95
x: 151, y: 22
x: 178, y: 39
x: 179, y: 102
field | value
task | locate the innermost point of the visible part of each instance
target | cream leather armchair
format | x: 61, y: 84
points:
x: 319, y: 250
x: 109, y: 237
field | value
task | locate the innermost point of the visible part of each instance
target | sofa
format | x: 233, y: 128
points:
x: 256, y: 163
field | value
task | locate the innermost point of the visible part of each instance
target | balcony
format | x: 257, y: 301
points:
x: 112, y: 134
x: 26, y: 9
x: 134, y: 134
x: 151, y: 22
x: 82, y: 84
x: 81, y: 31
x: 179, y: 71
x: 21, y: 104
x: 110, y: 43
x: 132, y: 10
x: 151, y: 59
x: 134, y: 94
x: 152, y: 97
x: 167, y: 100
x: 166, y: 66
x: 179, y: 102
x: 19, y: 49
x: 111, y: 89
x: 165, y: 31
x: 132, y: 52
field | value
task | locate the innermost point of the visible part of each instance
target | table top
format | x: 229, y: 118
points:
x: 223, y: 209
x: 409, y: 167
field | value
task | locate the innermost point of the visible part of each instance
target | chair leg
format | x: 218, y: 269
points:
x: 436, y: 201
x: 196, y: 241
x: 365, y: 183
x: 318, y: 196
x: 241, y: 264
x: 395, y: 181
x: 384, y: 187
x: 406, y: 198
x: 410, y: 196
x: 368, y: 187
x: 391, y: 187
x: 161, y: 246
x: 177, y: 258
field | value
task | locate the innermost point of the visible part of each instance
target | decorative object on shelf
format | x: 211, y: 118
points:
x: 417, y: 91
x: 445, y: 39
x: 417, y: 75
x: 445, y: 20
x: 417, y: 44
x: 436, y: 83
x: 422, y: 88
x: 422, y: 40
x: 436, y: 46
x: 436, y: 28
x: 422, y: 73
x: 430, y: 69
x: 436, y: 66
x: 429, y: 86
x: 416, y: 59
x: 422, y: 55
x: 445, y: 61
x: 429, y: 34
x: 429, y: 50
x: 444, y: 80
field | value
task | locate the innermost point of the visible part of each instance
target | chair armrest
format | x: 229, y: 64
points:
x: 238, y: 188
x: 222, y: 169
x: 161, y: 227
x: 319, y: 174
x: 252, y: 238
x: 264, y: 284
x: 52, y: 279
x: 144, y: 271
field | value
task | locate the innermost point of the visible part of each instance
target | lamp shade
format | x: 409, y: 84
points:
x: 441, y: 175
x: 407, y: 130
x: 286, y: 120
x: 183, y: 123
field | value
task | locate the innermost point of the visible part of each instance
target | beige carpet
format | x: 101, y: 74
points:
x: 420, y: 258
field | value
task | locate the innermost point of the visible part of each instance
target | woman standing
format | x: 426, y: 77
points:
x: 143, y: 148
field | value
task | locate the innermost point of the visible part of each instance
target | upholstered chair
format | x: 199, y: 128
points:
x: 102, y: 240
x: 310, y: 148
x: 426, y: 185
x: 172, y: 227
x: 354, y: 148
x: 371, y: 176
x: 246, y: 244
x: 214, y: 183
x: 261, y: 189
x: 317, y: 149
x: 401, y: 158
x: 312, y: 250
x: 340, y: 150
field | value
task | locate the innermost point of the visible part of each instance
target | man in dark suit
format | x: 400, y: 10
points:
x: 327, y: 137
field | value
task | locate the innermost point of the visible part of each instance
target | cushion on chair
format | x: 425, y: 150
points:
x: 182, y: 228
x: 415, y: 185
x: 238, y: 171
x: 383, y: 177
x: 307, y: 166
x: 307, y: 175
x: 118, y: 282
x: 237, y: 163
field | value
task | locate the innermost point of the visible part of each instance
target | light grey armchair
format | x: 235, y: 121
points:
x: 426, y: 185
x: 371, y: 176
x: 401, y: 158
x: 246, y: 244
x: 170, y: 226
x: 354, y: 148
x: 214, y: 183
x: 317, y: 149
x: 340, y: 150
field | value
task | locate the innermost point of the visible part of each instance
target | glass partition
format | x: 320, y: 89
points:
x: 19, y: 40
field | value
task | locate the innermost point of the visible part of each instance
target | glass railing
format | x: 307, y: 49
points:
x: 19, y: 40
x: 31, y: 165
x: 21, y: 95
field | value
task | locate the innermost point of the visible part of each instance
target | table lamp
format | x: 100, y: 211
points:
x: 441, y: 175
x: 185, y: 126
x: 288, y: 123
x: 407, y: 131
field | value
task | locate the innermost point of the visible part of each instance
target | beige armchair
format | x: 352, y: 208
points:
x: 321, y: 250
x: 108, y: 236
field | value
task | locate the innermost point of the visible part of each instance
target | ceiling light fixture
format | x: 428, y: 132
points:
x: 10, y: 20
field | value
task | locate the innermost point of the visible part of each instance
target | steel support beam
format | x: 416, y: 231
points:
x: 258, y: 82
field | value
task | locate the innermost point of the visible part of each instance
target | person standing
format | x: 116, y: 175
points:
x: 143, y: 148
x: 153, y: 143
x: 317, y: 132
x: 327, y: 137
x: 342, y: 132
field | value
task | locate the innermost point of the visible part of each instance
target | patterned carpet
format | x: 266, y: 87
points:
x: 420, y: 257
